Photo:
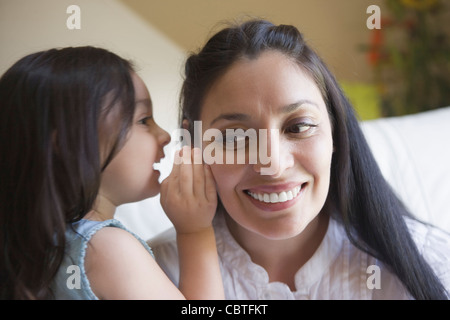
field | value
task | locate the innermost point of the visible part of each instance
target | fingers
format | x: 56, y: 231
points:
x: 210, y: 184
x: 189, y: 176
x: 185, y: 183
x: 188, y: 195
x: 170, y: 186
x: 199, y: 174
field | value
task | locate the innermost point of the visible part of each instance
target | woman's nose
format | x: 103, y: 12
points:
x: 274, y: 155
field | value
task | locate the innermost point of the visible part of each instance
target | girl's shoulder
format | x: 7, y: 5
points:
x: 113, y: 250
x: 105, y: 232
x: 110, y: 241
x: 118, y: 266
x: 113, y: 238
x: 87, y: 240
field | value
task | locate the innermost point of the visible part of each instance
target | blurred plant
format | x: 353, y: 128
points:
x: 410, y: 56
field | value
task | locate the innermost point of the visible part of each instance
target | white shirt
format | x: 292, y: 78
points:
x: 337, y: 270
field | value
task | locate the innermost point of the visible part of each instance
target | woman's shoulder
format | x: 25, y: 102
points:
x: 434, y: 244
x: 428, y: 236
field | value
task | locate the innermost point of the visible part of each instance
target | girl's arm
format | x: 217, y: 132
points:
x: 119, y: 267
x: 189, y: 199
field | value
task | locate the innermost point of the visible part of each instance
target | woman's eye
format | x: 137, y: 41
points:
x: 145, y: 121
x: 300, y: 127
x: 234, y: 141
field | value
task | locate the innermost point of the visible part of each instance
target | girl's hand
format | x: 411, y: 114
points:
x: 188, y: 194
x: 189, y: 198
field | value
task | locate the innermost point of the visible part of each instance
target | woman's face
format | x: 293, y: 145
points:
x: 272, y: 92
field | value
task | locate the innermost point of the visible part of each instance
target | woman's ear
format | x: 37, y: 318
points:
x: 187, y: 140
x: 185, y: 124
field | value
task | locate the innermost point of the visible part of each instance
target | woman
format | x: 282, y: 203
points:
x: 324, y: 224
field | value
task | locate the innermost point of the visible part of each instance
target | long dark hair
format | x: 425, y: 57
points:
x: 359, y: 197
x: 58, y: 110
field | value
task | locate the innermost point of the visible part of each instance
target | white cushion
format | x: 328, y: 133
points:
x: 413, y: 153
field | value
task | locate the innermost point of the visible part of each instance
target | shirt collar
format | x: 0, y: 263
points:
x: 234, y: 257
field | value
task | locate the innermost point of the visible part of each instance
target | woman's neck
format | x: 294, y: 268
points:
x: 281, y: 258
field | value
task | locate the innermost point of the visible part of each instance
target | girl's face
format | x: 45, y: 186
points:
x: 272, y: 92
x: 130, y: 176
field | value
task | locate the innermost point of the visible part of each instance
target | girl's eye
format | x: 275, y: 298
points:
x: 301, y: 127
x: 146, y: 121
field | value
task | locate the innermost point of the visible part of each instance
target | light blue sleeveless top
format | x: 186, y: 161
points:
x: 71, y: 282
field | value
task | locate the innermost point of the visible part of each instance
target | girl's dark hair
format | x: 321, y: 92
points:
x: 359, y: 197
x: 58, y: 110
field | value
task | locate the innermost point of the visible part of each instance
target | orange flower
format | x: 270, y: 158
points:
x: 374, y: 54
x: 419, y: 4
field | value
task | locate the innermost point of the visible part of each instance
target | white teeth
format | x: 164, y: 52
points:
x: 273, y: 197
x: 276, y: 197
x: 289, y: 195
x: 282, y: 197
x: 157, y: 166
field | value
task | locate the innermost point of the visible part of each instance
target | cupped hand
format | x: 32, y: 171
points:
x: 188, y: 194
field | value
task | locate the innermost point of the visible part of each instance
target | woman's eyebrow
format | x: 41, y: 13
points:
x: 296, y: 105
x: 231, y: 117
x: 236, y: 116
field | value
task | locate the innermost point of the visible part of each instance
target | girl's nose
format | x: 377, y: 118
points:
x: 163, y: 137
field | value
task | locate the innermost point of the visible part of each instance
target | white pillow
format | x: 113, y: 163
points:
x: 413, y: 153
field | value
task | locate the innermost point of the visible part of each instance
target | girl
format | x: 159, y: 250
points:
x: 323, y: 224
x: 78, y: 139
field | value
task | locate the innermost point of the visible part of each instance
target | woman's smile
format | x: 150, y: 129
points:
x: 275, y: 197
